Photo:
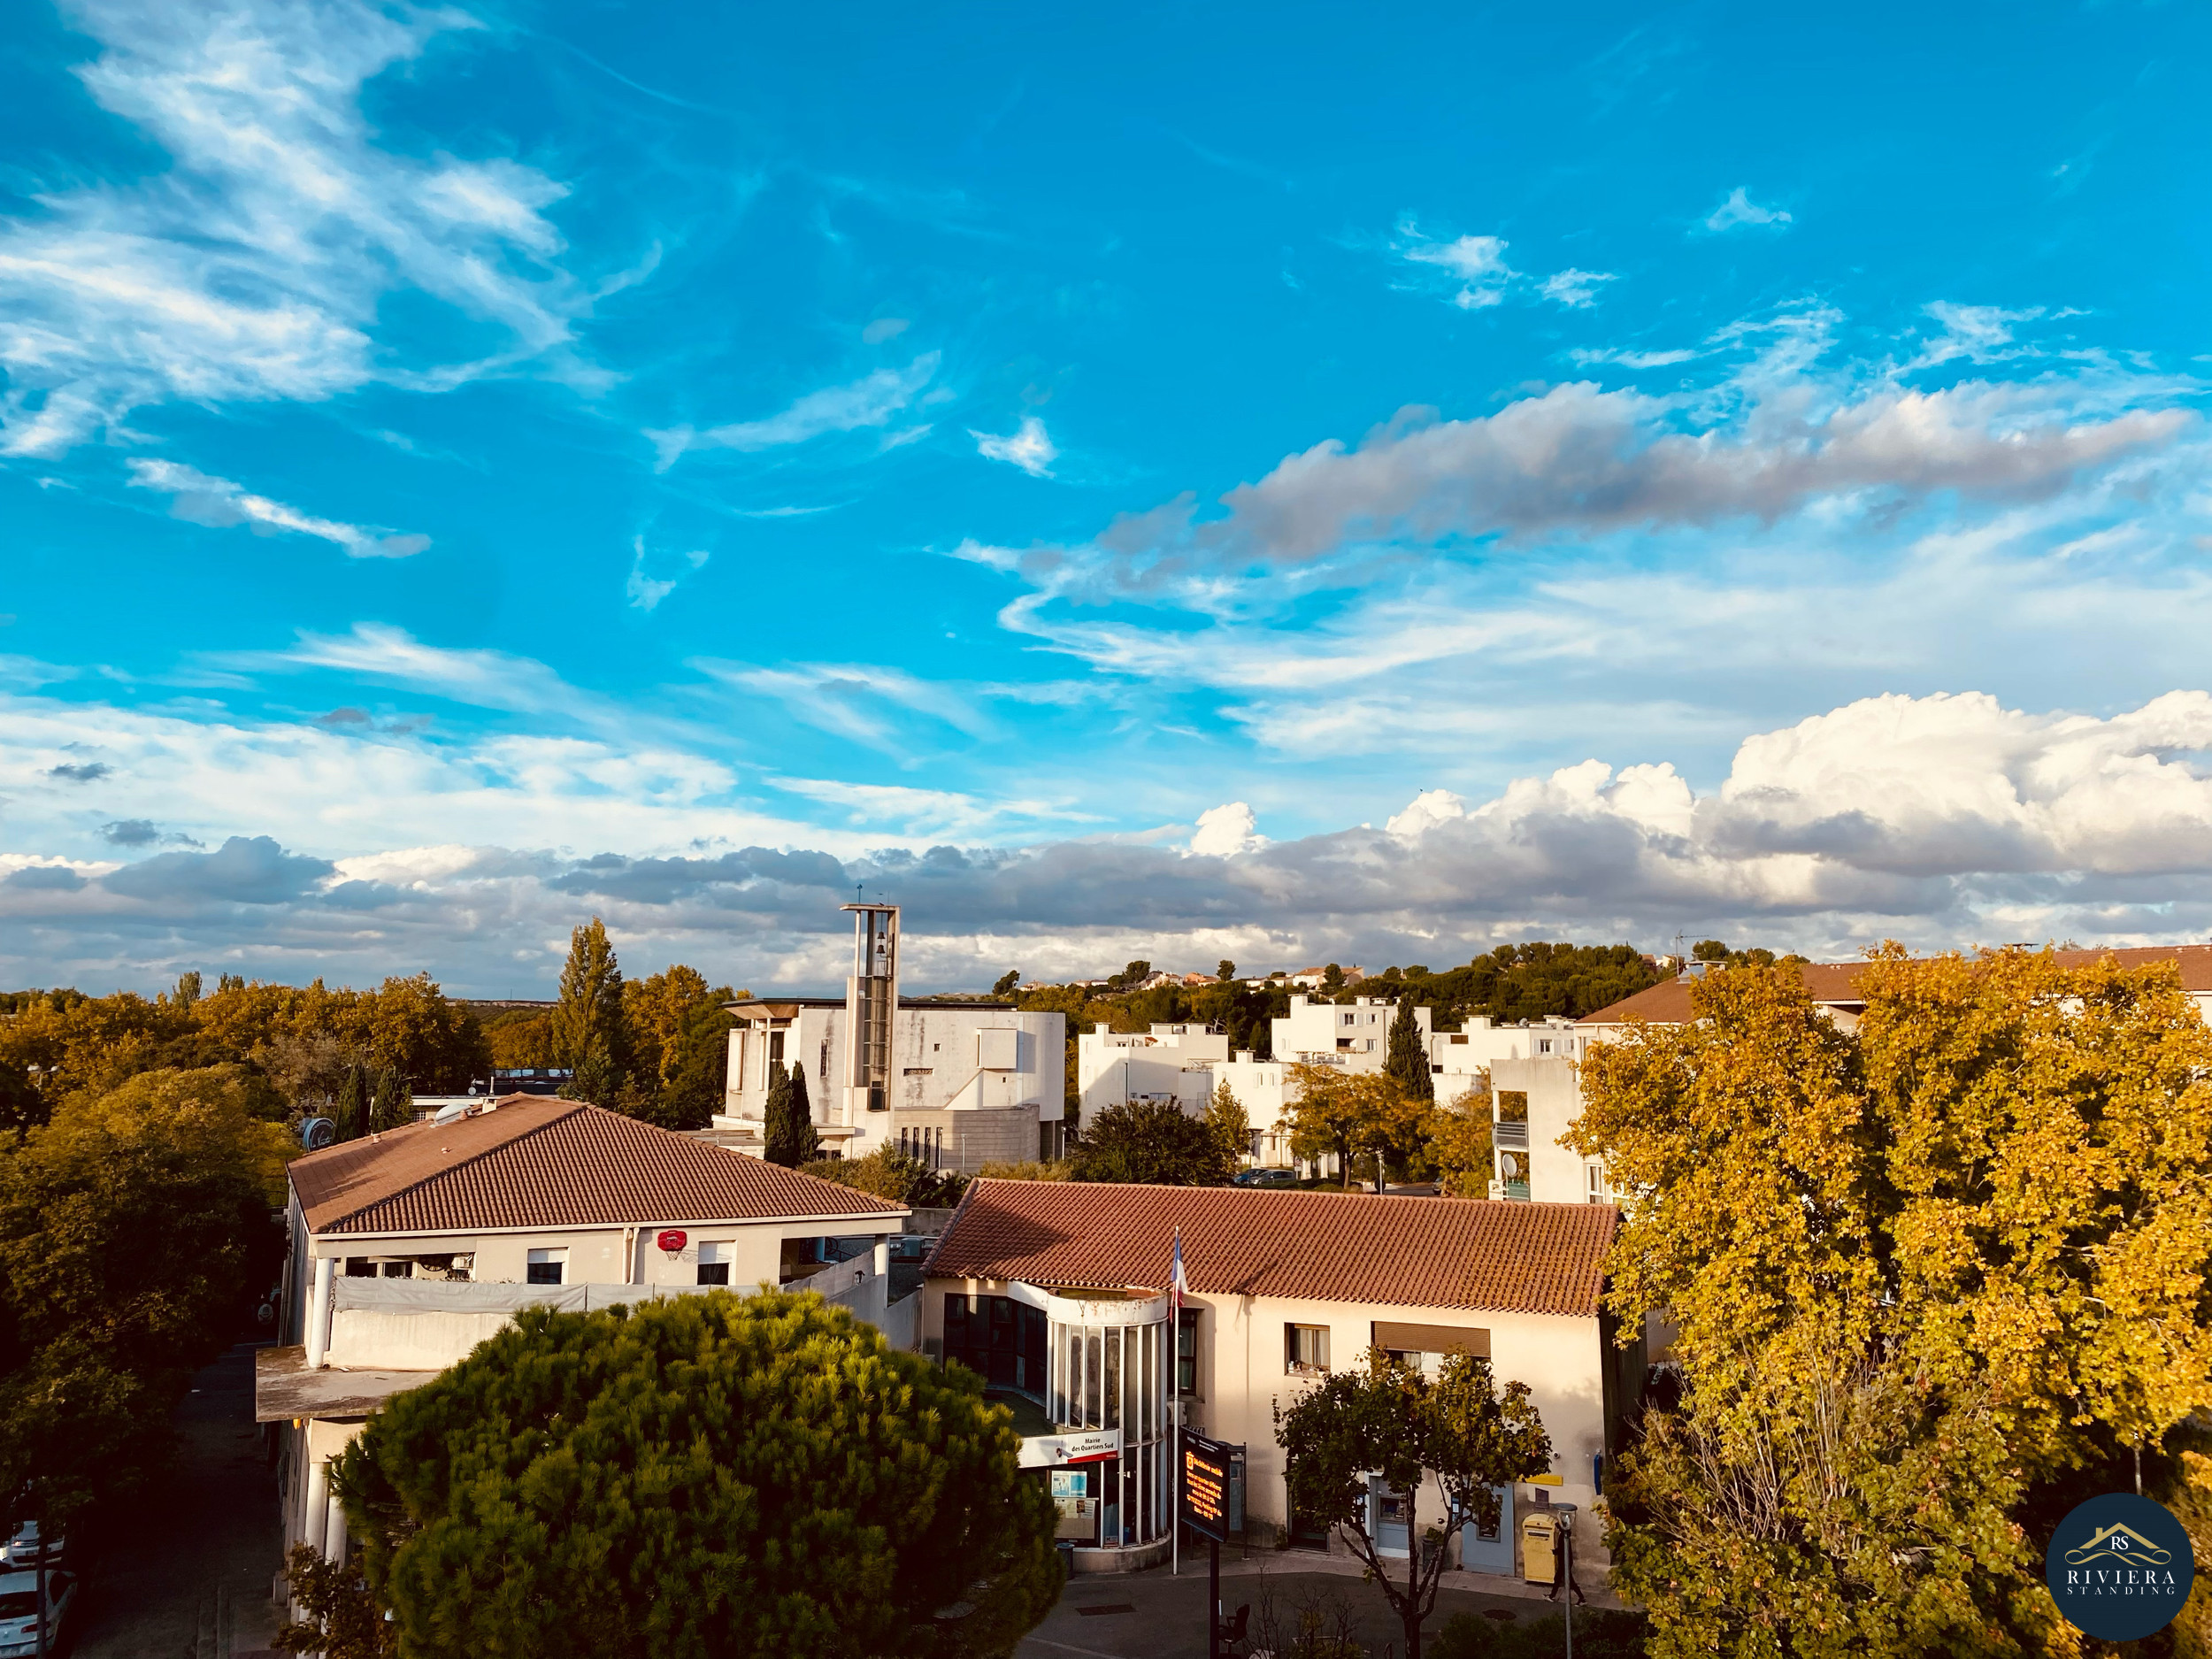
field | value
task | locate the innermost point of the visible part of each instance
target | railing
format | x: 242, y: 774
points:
x: 1509, y: 1137
x: 1516, y: 1190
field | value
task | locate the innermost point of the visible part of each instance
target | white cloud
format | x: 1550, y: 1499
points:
x: 1225, y: 832
x: 869, y: 401
x: 1944, y: 820
x: 1778, y: 436
x: 481, y: 678
x: 862, y: 701
x: 1029, y: 448
x: 252, y: 265
x: 645, y: 591
x: 882, y: 329
x: 1979, y: 334
x: 1575, y: 289
x: 1477, y: 263
x: 218, y: 503
x: 1740, y: 209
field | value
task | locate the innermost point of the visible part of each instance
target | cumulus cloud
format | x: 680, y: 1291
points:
x: 1028, y: 447
x: 1945, y: 820
x: 219, y: 503
x: 1225, y: 832
x: 250, y: 266
x: 1739, y: 210
x: 868, y: 402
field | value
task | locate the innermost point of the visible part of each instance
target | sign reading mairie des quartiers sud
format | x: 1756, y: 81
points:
x: 2120, y: 1566
x: 1205, y: 1485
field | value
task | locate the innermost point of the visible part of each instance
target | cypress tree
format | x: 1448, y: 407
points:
x: 808, y: 1144
x: 350, y: 1116
x: 1409, y: 1059
x: 779, y: 1129
x: 394, y: 1107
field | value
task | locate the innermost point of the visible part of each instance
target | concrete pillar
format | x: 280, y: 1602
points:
x: 315, y: 1523
x: 883, y: 1254
x: 319, y: 1313
x: 334, y: 1536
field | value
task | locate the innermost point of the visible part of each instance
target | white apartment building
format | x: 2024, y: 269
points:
x: 409, y: 1248
x: 956, y: 1083
x: 1172, y: 1062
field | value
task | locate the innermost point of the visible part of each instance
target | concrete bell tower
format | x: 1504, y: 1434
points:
x: 871, y: 1001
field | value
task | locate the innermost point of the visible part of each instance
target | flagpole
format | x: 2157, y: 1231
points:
x: 1175, y: 1376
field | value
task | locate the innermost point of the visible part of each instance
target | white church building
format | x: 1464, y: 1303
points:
x: 957, y: 1083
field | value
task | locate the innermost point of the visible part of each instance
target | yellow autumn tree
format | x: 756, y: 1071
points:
x: 1932, y: 1280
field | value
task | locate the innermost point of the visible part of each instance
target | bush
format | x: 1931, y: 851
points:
x: 898, y: 1176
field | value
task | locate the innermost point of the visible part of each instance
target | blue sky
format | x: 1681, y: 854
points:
x: 463, y: 467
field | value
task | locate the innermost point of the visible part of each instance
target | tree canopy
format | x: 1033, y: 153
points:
x: 1928, y: 1277
x: 1353, y: 1116
x: 1150, y: 1141
x: 710, y: 1474
x: 137, y: 1231
x: 1408, y: 1060
x: 1389, y: 1421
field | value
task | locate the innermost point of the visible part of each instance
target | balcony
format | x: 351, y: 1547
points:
x: 1515, y: 1192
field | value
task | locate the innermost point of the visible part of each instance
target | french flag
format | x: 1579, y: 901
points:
x: 1177, y: 1284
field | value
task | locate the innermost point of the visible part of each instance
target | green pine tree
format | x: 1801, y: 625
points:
x: 735, y: 1447
x: 394, y: 1107
x: 1408, y: 1058
x: 350, y: 1117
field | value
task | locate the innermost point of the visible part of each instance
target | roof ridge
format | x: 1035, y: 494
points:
x: 337, y: 1222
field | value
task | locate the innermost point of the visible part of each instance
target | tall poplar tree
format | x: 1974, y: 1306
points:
x: 590, y: 1007
x: 1409, y: 1057
x: 787, y: 1130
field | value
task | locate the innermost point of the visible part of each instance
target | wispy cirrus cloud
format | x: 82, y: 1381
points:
x: 1476, y: 264
x: 251, y: 268
x: 869, y: 402
x: 1028, y: 447
x: 1738, y: 211
x: 199, y: 498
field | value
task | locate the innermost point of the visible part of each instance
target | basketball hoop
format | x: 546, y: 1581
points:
x: 671, y: 1241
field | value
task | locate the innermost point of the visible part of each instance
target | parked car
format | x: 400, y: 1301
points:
x: 18, y: 1610
x: 22, y: 1549
x: 1266, y: 1178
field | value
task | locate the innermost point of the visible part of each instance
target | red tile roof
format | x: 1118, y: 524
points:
x: 540, y: 1161
x: 1327, y: 1247
x: 1667, y: 1002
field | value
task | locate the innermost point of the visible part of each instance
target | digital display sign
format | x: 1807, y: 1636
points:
x: 1205, y: 1485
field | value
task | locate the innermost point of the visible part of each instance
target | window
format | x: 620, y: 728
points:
x: 1593, y: 1174
x: 546, y: 1267
x: 1186, y: 1354
x: 775, y: 1045
x: 1305, y: 1349
x: 714, y: 1263
x: 395, y: 1270
x: 1349, y: 1018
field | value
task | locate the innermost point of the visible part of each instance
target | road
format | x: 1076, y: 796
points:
x: 185, y: 1573
x: 1154, y: 1616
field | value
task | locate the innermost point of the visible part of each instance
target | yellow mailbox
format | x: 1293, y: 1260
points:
x: 1539, y: 1537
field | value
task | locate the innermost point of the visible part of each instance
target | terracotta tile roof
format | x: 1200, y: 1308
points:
x: 1667, y: 1002
x: 539, y: 1161
x: 1330, y: 1246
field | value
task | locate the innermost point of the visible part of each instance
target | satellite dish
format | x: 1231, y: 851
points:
x: 450, y: 1113
x: 318, y: 1133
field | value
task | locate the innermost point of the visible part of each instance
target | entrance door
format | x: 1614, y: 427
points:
x: 1490, y: 1548
x: 1391, y: 1518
